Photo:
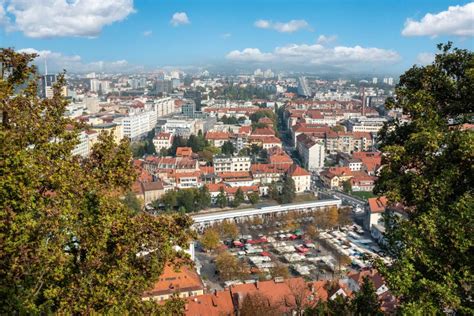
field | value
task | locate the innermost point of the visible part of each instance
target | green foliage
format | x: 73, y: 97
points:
x: 253, y: 197
x: 187, y: 200
x: 254, y: 117
x: 221, y: 199
x: 144, y: 147
x: 239, y: 197
x: 228, y: 148
x: 132, y: 202
x: 288, y: 192
x: 68, y: 244
x: 366, y: 301
x: 346, y: 186
x: 248, y: 92
x: 229, y: 120
x: 210, y: 239
x: 429, y: 168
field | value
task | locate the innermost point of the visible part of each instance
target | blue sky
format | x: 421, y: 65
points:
x: 359, y: 35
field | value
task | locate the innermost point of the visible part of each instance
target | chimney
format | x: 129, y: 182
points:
x: 311, y: 287
x: 257, y: 284
x: 216, y: 293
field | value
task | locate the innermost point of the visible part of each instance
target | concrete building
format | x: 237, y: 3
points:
x: 231, y: 164
x: 312, y: 151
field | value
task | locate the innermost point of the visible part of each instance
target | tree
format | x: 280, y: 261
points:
x: 253, y: 197
x: 312, y: 232
x: 366, y: 301
x: 273, y: 192
x: 346, y: 186
x: 258, y: 304
x: 288, y: 193
x: 428, y: 169
x: 221, y: 199
x: 132, y: 202
x: 228, y: 148
x: 239, y: 197
x: 280, y: 270
x: 228, y: 266
x: 68, y: 244
x: 228, y: 230
x: 210, y: 239
x: 344, y: 216
x: 203, y: 198
x: 332, y: 216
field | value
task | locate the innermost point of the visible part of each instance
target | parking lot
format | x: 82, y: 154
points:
x: 264, y: 243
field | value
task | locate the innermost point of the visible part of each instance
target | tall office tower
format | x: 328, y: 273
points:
x: 164, y: 86
x: 47, y: 83
x: 385, y: 80
x: 390, y: 81
x: 374, y: 80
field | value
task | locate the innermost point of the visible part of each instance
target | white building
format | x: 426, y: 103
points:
x: 162, y: 141
x: 179, y: 127
x: 137, y: 124
x: 164, y: 106
x: 231, y: 164
x: 301, y: 178
x: 366, y: 124
x: 312, y: 152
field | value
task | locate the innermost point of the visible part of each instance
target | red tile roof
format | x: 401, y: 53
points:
x: 266, y: 131
x: 184, y: 152
x: 217, y: 135
x: 377, y: 204
x: 297, y: 171
x: 173, y: 280
x: 217, y: 304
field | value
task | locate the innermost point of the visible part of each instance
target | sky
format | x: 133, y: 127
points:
x: 369, y: 36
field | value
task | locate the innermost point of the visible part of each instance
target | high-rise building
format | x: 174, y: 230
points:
x: 303, y: 88
x: 374, y: 80
x: 95, y: 85
x: 47, y: 83
x: 46, y: 86
x: 390, y: 81
x: 164, y: 86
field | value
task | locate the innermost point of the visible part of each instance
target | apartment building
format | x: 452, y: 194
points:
x: 231, y: 164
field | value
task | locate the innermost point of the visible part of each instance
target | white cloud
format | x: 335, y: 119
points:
x: 226, y: 35
x: 250, y: 54
x: 425, y: 58
x: 74, y: 63
x: 283, y: 27
x: 57, y: 18
x: 179, y: 18
x: 317, y: 54
x: 457, y: 20
x: 147, y: 33
x: 323, y: 39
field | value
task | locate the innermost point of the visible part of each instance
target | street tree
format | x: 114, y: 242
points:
x: 210, y: 239
x: 239, y: 197
x: 221, y: 199
x: 253, y: 198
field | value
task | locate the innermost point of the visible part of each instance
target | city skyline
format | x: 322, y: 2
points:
x: 317, y: 36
